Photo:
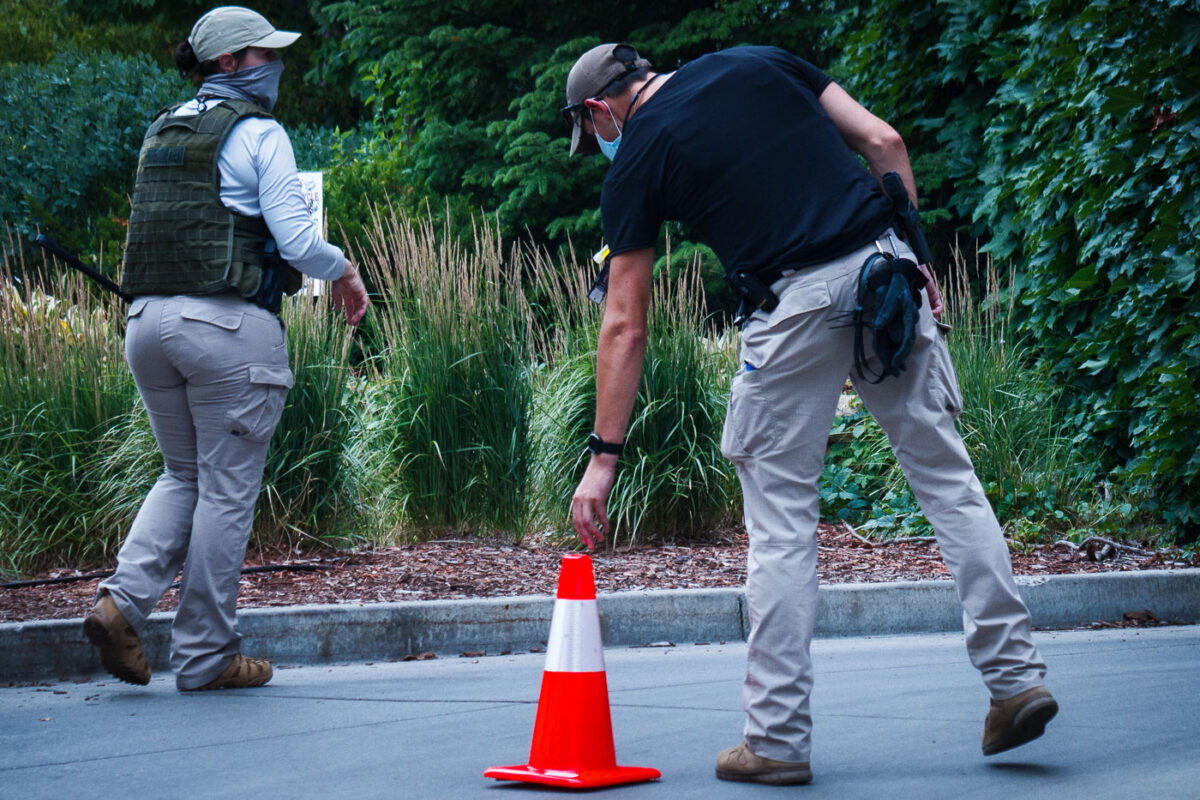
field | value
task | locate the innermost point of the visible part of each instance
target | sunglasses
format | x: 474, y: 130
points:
x: 570, y: 113
x: 623, y: 53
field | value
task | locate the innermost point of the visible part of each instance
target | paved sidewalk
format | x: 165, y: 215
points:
x: 896, y: 717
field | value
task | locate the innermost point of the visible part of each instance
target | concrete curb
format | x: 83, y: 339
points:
x: 390, y: 631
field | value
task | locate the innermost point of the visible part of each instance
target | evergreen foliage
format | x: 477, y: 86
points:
x: 474, y: 90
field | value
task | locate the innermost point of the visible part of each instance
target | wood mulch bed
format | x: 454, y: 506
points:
x: 458, y: 568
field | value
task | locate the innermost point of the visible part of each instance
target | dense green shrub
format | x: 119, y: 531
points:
x: 1093, y: 171
x: 37, y: 30
x: 70, y: 133
x: 1066, y: 130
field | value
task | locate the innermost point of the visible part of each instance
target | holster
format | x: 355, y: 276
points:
x: 278, y: 278
x: 755, y: 293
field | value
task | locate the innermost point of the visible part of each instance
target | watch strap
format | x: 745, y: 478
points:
x: 599, y: 446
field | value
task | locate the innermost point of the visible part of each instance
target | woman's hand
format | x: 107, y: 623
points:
x: 350, y: 293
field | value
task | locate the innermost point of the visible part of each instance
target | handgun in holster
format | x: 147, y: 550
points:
x: 754, y: 294
x: 908, y: 221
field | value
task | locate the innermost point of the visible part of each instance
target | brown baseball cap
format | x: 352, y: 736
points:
x: 227, y: 29
x: 590, y: 76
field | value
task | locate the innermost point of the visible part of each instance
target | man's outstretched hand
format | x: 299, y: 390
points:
x: 588, y: 506
x: 350, y: 293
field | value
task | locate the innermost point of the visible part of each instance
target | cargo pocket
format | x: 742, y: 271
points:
x: 731, y: 443
x: 800, y: 299
x: 254, y: 418
x: 749, y: 424
x: 764, y: 335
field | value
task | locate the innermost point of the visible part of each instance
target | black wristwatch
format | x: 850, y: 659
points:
x: 598, y: 445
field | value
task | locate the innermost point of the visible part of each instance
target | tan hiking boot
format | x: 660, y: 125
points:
x: 242, y: 673
x: 739, y: 764
x: 120, y: 648
x: 1013, y: 722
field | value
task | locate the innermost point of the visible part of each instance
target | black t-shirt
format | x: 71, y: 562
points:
x: 737, y: 146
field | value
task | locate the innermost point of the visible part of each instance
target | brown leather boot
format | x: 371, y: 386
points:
x: 1013, y: 722
x: 120, y: 648
x: 739, y: 764
x: 242, y: 673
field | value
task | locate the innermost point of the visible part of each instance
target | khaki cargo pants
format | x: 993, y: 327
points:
x: 779, y: 418
x: 213, y: 374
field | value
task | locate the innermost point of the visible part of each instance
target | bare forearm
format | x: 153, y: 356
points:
x: 620, y: 352
x: 869, y: 136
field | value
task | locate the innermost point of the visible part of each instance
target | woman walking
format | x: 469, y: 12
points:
x: 216, y: 184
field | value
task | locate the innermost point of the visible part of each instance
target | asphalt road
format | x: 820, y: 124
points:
x: 895, y: 717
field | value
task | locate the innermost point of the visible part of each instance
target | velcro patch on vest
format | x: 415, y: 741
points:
x: 164, y: 156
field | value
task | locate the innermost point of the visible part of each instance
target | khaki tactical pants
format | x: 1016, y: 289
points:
x: 213, y: 374
x: 779, y: 418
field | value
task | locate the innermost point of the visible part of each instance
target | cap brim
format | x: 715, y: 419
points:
x: 276, y: 40
x: 582, y: 143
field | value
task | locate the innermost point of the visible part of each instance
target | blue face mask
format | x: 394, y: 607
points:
x: 608, y: 148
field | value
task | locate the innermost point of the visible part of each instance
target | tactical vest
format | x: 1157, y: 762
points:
x: 182, y: 239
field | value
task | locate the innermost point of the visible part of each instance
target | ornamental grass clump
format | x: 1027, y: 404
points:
x: 306, y: 483
x: 672, y: 481
x: 63, y: 383
x: 1013, y: 419
x: 444, y: 442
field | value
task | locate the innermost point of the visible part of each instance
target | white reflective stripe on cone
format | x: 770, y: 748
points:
x: 574, y: 644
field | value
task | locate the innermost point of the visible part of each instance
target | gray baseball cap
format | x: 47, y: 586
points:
x: 590, y: 76
x: 228, y: 29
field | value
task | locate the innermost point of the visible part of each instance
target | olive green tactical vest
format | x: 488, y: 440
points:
x: 182, y: 239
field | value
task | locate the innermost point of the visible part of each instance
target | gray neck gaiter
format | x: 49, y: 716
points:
x: 258, y: 85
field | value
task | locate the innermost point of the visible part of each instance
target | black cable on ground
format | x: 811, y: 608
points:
x: 95, y: 575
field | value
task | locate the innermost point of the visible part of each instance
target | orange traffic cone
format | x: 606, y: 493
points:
x: 572, y: 736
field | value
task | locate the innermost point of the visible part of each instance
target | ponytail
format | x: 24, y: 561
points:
x: 186, y: 61
x: 185, y: 58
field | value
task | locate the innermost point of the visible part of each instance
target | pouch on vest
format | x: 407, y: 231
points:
x: 889, y: 304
